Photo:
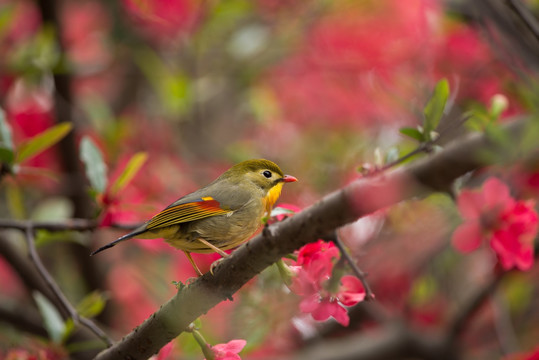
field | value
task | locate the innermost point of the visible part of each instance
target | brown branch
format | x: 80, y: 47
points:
x: 526, y: 16
x: 66, y: 225
x: 26, y: 272
x: 335, y: 210
x: 49, y: 281
x: 474, y: 302
x: 394, y: 341
x: 25, y: 319
x: 477, y: 300
x: 74, y: 180
x: 63, y: 98
x: 362, y: 276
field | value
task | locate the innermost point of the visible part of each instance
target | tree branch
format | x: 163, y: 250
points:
x: 49, y: 281
x: 361, y: 197
x: 66, y: 225
x: 393, y: 341
x: 25, y: 319
x: 27, y: 273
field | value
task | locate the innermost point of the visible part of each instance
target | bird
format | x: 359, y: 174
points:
x: 219, y: 216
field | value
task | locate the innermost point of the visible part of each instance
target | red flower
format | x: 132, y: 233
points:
x: 315, y: 251
x: 228, y: 351
x: 493, y: 215
x: 514, y: 242
x: 313, y: 282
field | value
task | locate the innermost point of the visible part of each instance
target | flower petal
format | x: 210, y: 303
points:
x: 511, y: 250
x: 309, y: 303
x: 351, y: 291
x: 496, y: 194
x: 467, y: 237
x: 470, y: 204
x: 235, y: 345
x: 329, y: 308
x: 324, y: 310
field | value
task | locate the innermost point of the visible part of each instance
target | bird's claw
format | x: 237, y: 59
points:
x: 215, y: 264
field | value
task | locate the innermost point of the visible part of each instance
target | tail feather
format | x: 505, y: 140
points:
x: 120, y: 239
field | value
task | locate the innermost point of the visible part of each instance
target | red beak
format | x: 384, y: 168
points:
x: 289, y: 178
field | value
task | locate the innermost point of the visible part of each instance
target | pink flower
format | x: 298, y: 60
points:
x: 493, y: 215
x: 228, y: 351
x: 315, y: 251
x: 313, y: 282
x: 514, y: 242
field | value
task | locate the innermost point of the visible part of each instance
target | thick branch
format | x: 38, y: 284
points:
x: 63, y: 99
x: 339, y: 208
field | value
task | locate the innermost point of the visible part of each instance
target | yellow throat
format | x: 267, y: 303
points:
x: 271, y: 197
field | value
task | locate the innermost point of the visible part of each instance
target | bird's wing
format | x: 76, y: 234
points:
x: 184, y: 211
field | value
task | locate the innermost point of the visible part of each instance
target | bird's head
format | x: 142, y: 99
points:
x: 264, y: 174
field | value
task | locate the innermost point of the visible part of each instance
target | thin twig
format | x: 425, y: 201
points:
x: 478, y: 299
x: 473, y: 304
x: 29, y: 232
x: 425, y: 147
x: 362, y: 276
x: 505, y: 330
x: 65, y: 225
x: 526, y: 16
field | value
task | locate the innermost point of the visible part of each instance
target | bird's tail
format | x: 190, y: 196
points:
x: 120, y: 239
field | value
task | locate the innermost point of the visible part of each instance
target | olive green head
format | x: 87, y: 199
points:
x: 264, y: 173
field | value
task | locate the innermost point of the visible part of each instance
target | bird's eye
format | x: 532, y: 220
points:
x: 267, y: 174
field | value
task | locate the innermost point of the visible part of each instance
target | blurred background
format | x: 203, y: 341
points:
x: 320, y: 87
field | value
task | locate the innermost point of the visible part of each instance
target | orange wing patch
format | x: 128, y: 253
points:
x: 182, y: 213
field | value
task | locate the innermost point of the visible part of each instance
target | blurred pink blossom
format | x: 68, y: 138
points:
x: 508, y: 225
x: 228, y: 351
x: 312, y: 281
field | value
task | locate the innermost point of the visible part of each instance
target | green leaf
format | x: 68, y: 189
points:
x: 15, y: 200
x: 413, y: 133
x: 6, y: 156
x: 6, y: 142
x: 42, y: 142
x: 68, y: 330
x: 133, y: 166
x: 434, y: 109
x: 91, y: 305
x: 96, y: 170
x: 53, y: 322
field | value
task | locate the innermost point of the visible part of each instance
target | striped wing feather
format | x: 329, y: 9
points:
x: 189, y: 211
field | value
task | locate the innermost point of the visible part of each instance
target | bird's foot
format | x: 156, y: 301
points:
x: 216, y: 263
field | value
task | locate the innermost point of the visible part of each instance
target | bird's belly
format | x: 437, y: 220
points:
x: 224, y: 232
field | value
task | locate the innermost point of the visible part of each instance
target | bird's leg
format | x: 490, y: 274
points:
x: 213, y: 247
x: 217, y: 250
x: 188, y: 254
